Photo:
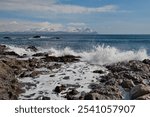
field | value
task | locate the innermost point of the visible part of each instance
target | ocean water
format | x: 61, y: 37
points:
x: 93, y: 48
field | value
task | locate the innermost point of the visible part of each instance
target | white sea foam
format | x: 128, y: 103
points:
x: 20, y: 51
x: 98, y: 55
x: 107, y: 55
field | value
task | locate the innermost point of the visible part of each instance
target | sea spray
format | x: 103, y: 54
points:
x: 98, y: 55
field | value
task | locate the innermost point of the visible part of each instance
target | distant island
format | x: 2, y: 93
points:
x: 76, y: 31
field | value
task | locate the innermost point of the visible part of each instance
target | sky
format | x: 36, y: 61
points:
x: 102, y: 16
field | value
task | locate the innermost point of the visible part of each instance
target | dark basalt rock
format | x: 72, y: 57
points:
x: 40, y: 54
x: 59, y: 89
x: 37, y: 36
x: 139, y: 90
x: 7, y: 37
x: 2, y: 48
x: 73, y: 92
x: 35, y: 74
x: 55, y: 66
x: 146, y: 61
x: 66, y: 78
x: 144, y: 97
x: 71, y: 95
x: 11, y: 53
x: 32, y: 48
x: 99, y: 71
x: 127, y: 83
x: 65, y: 59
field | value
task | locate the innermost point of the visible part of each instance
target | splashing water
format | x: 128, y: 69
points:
x: 98, y: 55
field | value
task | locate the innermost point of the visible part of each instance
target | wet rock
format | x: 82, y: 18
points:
x: 29, y: 96
x: 94, y: 86
x: 7, y: 37
x: 52, y: 75
x: 9, y: 53
x: 73, y: 85
x: 127, y: 84
x: 111, y: 81
x: 144, y: 97
x: 71, y: 95
x: 35, y: 74
x: 73, y: 92
x: 118, y: 67
x: 139, y: 90
x: 24, y: 74
x: 37, y: 36
x: 66, y: 78
x: 111, y: 91
x: 3, y: 48
x: 99, y: 71
x: 32, y: 48
x: 40, y: 54
x: 23, y: 56
x: 55, y: 66
x: 29, y: 85
x: 133, y: 65
x: 146, y: 61
x: 65, y: 59
x: 58, y: 89
x: 16, y: 65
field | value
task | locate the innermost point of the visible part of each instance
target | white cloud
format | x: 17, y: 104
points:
x: 51, y: 6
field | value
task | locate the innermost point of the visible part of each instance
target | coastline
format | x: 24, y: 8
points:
x: 43, y: 76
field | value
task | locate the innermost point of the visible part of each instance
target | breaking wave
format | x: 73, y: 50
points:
x: 98, y: 55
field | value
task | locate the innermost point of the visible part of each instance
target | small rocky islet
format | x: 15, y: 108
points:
x: 127, y: 80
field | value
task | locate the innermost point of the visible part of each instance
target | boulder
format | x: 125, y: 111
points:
x: 146, y: 61
x: 37, y: 36
x: 66, y: 78
x: 144, y: 97
x: 2, y: 48
x: 59, y: 89
x: 127, y: 84
x: 65, y: 59
x: 35, y: 74
x: 32, y: 48
x: 7, y: 37
x: 73, y: 92
x: 11, y: 53
x: 139, y: 90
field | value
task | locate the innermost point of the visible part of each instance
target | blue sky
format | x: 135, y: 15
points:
x: 103, y: 16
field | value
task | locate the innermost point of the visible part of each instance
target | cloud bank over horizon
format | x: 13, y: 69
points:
x: 103, y: 16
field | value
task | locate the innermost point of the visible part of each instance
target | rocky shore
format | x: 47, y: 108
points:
x: 44, y: 77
